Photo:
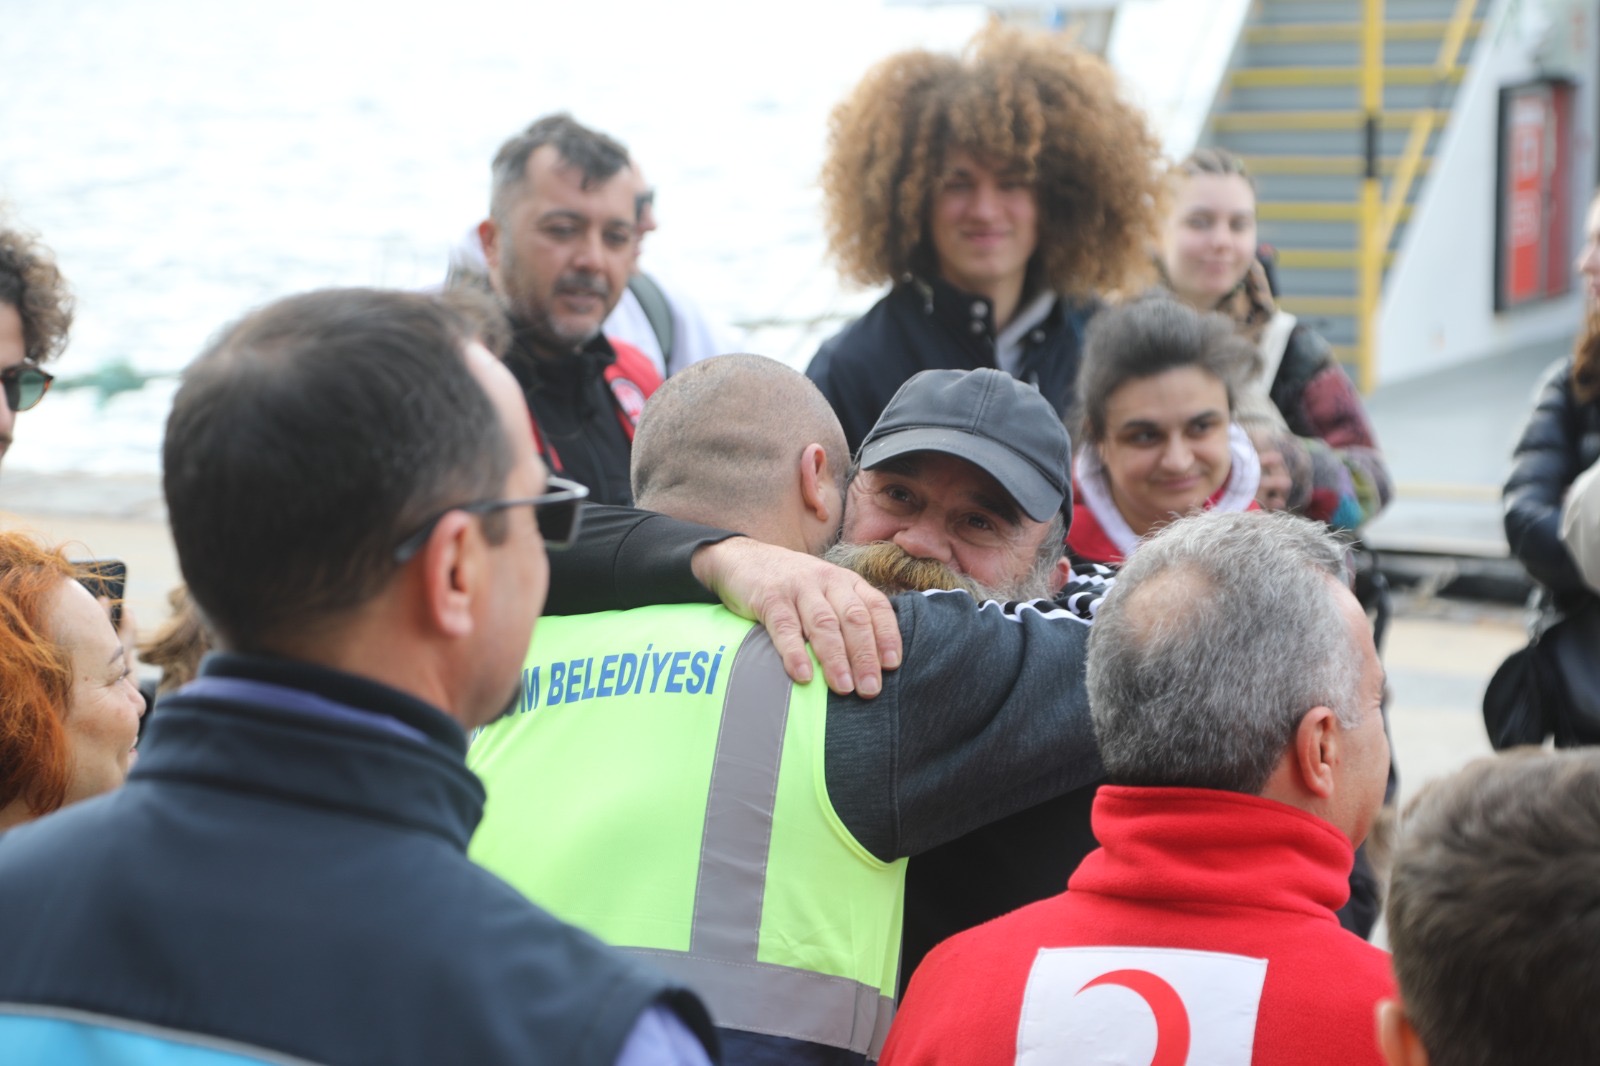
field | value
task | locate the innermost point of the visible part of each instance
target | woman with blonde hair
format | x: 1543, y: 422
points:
x: 179, y: 645
x: 69, y: 707
x: 1307, y: 414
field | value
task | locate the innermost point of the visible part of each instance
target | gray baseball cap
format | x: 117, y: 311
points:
x: 989, y: 418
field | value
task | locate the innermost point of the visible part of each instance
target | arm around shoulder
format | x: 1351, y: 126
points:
x: 986, y: 717
x: 625, y: 558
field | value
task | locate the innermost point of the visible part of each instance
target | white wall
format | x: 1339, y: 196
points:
x: 1438, y: 304
x: 1172, y: 56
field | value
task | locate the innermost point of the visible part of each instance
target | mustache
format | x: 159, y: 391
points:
x: 585, y: 284
x: 889, y: 569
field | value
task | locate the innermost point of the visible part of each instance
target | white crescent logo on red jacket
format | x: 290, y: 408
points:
x: 1140, y: 1007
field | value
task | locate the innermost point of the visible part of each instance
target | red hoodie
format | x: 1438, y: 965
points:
x: 1202, y: 931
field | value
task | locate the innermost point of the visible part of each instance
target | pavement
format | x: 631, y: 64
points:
x: 1439, y: 655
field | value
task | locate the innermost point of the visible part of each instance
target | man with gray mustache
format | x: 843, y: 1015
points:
x: 783, y: 907
x: 963, y: 483
x: 561, y: 240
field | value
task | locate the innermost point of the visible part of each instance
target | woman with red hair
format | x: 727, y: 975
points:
x: 69, y: 707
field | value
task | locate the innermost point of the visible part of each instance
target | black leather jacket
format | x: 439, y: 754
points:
x: 1560, y: 441
x: 935, y: 326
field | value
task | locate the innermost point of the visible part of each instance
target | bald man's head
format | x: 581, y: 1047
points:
x: 721, y: 442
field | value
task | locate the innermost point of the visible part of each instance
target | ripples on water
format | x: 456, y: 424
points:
x: 188, y: 160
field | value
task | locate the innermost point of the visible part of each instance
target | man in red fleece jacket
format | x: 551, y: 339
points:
x: 1235, y: 692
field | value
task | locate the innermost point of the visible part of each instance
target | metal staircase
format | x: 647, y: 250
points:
x: 1336, y: 106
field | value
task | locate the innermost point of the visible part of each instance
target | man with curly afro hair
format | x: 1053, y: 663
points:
x: 35, y: 314
x: 997, y: 192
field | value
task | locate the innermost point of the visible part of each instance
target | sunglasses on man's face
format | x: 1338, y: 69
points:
x: 25, y: 385
x: 559, y: 513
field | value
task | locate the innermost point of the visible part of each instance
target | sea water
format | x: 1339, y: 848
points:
x: 188, y: 160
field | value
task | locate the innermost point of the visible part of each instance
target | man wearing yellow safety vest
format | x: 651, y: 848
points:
x: 663, y: 783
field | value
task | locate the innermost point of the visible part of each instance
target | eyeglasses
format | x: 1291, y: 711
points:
x: 559, y: 513
x: 25, y: 385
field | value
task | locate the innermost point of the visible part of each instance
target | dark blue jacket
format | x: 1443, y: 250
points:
x: 935, y: 326
x: 275, y: 881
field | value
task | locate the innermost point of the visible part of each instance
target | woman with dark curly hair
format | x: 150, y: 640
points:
x: 996, y: 192
x: 1157, y: 439
x: 35, y: 314
x: 69, y: 708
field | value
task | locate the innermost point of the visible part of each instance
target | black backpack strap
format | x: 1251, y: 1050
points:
x: 657, y: 310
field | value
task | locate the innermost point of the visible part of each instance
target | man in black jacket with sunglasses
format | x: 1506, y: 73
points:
x: 353, y: 491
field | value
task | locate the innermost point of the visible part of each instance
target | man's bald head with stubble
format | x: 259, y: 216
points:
x: 745, y: 443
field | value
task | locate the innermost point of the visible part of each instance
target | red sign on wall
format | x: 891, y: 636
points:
x: 1528, y: 122
x: 1533, y: 212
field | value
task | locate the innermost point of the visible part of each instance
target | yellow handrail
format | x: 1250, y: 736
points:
x: 1371, y: 253
x: 1405, y: 176
x: 1456, y: 35
x: 1405, y: 173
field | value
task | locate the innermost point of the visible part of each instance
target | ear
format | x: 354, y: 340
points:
x: 452, y: 570
x: 1316, y: 751
x: 489, y: 237
x: 1060, y: 575
x: 1397, y: 1038
x: 817, y: 495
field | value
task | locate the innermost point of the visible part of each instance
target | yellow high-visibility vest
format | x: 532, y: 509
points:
x: 660, y: 783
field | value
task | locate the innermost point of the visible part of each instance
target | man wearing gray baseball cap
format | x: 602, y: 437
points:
x: 969, y: 470
x: 964, y: 482
x: 966, y: 478
x: 984, y: 717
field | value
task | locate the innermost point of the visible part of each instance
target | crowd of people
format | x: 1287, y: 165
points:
x: 996, y: 690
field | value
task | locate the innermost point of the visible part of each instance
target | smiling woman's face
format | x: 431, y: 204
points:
x: 102, y: 719
x: 1209, y: 239
x: 1166, y: 445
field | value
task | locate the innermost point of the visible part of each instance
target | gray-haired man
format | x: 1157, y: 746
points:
x: 1235, y: 692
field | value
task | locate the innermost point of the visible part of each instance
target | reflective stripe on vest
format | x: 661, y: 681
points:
x: 722, y: 959
x: 760, y: 997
